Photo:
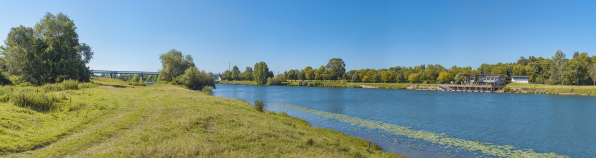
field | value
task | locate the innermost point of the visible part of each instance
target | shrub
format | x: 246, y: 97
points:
x: 277, y: 80
x: 136, y: 84
x: 38, y: 101
x: 207, y: 89
x: 259, y: 104
x: 136, y: 78
x: 15, y: 80
x: 69, y: 84
x: 196, y: 80
x: 354, y: 86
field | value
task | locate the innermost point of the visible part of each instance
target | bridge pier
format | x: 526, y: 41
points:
x: 141, y: 77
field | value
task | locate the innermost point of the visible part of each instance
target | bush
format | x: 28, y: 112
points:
x: 354, y: 86
x: 38, y: 101
x: 136, y: 78
x: 136, y: 84
x: 15, y: 80
x: 207, y: 89
x: 259, y: 104
x: 196, y: 80
x: 277, y: 80
x: 69, y: 84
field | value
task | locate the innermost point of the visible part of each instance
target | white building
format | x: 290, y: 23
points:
x: 520, y: 79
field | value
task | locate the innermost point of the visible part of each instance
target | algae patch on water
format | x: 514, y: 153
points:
x: 443, y: 139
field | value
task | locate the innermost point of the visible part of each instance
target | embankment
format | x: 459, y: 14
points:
x: 118, y: 120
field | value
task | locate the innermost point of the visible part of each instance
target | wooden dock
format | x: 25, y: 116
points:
x: 470, y: 88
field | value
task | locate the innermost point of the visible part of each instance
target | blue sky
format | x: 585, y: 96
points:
x: 295, y: 34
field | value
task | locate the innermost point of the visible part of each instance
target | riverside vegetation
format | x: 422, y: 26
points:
x: 109, y: 118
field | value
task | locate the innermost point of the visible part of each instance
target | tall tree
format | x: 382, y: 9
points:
x: 261, y: 73
x: 48, y: 53
x: 592, y: 72
x: 355, y: 77
x: 248, y: 73
x: 559, y: 62
x: 336, y: 68
x: 444, y: 77
x: 386, y: 76
x: 414, y: 77
x: 174, y: 64
x: 235, y: 73
x: 309, y: 73
x: 502, y: 70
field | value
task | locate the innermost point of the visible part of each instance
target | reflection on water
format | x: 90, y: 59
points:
x: 545, y: 123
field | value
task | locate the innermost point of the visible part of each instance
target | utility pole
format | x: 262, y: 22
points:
x: 228, y: 66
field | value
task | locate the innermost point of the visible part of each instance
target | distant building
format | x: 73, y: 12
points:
x: 486, y: 79
x: 520, y: 79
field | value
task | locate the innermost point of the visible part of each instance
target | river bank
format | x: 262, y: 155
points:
x: 509, y: 88
x: 118, y: 120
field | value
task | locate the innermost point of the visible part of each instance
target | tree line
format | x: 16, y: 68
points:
x: 557, y: 70
x: 47, y: 53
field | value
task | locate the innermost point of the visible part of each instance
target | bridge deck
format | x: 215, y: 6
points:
x: 124, y: 72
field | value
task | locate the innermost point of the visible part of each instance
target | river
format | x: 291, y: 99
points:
x: 564, y: 125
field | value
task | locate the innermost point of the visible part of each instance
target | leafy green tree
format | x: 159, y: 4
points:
x: 335, y: 68
x: 518, y: 70
x: 319, y: 73
x: 459, y: 78
x: 415, y: 77
x: 248, y: 73
x: 502, y: 70
x: 174, y: 64
x: 235, y: 73
x: 386, y: 76
x: 399, y: 77
x: 559, y: 63
x: 227, y: 75
x: 136, y: 78
x: 196, y: 80
x: 530, y: 72
x: 592, y: 72
x: 355, y: 77
x: 301, y: 75
x: 309, y: 73
x: 444, y: 77
x: 575, y: 72
x: 48, y: 53
x: 261, y: 73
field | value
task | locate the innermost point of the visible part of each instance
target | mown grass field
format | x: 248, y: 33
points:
x: 118, y: 120
x: 553, y: 89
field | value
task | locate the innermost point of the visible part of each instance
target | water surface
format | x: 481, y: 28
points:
x: 546, y: 123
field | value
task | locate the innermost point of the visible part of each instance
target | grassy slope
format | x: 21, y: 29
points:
x: 115, y: 120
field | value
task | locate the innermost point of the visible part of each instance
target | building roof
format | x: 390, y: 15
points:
x: 521, y: 76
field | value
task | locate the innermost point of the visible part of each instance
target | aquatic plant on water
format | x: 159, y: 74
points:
x: 443, y: 139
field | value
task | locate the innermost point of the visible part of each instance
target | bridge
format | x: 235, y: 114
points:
x: 140, y: 73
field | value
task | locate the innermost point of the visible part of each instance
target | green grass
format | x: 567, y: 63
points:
x: 553, y: 89
x: 118, y: 120
x: 238, y: 82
